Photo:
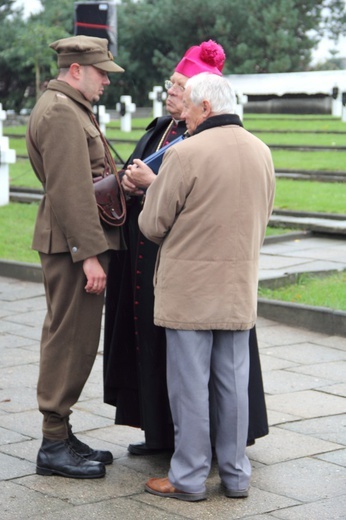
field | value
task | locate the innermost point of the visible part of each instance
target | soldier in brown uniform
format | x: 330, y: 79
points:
x: 66, y: 151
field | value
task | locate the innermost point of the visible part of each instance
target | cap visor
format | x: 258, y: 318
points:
x: 109, y: 66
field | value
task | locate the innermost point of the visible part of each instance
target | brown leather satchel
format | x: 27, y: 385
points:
x: 110, y: 197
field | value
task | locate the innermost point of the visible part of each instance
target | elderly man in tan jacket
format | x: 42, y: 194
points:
x: 208, y: 209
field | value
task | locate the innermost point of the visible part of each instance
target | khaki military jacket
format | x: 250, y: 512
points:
x: 66, y: 151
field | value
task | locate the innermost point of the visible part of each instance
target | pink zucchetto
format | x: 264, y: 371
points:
x: 207, y: 57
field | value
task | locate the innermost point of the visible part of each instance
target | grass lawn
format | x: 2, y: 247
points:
x: 17, y: 225
x: 16, y: 230
x: 325, y: 197
x: 312, y: 290
x: 302, y: 139
x: 306, y: 123
x: 17, y: 220
x: 290, y: 194
x: 317, y: 161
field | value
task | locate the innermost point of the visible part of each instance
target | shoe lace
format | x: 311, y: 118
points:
x: 72, y: 452
x: 76, y: 443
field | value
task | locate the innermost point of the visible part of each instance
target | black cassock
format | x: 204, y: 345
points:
x: 134, y: 348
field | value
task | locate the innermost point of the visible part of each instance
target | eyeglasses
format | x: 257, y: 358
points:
x: 173, y: 86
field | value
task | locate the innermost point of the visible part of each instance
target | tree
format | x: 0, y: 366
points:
x: 26, y: 59
x: 277, y: 37
x: 258, y: 36
x: 31, y: 52
x: 6, y: 9
x: 333, y: 23
x: 9, y: 18
x: 58, y: 14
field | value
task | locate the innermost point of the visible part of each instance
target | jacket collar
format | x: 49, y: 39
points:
x: 221, y: 120
x: 65, y: 88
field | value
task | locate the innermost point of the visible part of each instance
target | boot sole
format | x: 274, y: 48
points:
x: 48, y: 472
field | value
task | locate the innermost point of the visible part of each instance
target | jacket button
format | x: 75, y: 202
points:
x: 74, y: 249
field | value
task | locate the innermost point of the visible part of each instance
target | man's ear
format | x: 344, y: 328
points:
x: 75, y: 70
x: 206, y: 108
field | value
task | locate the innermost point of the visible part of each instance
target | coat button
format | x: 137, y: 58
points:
x: 74, y: 249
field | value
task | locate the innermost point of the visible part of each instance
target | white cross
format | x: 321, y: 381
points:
x: 241, y: 101
x: 157, y: 96
x: 126, y: 108
x: 7, y: 157
x: 103, y: 117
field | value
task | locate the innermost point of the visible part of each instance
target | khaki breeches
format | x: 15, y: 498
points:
x: 69, y: 342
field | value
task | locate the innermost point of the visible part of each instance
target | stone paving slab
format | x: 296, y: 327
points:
x: 283, y: 381
x: 16, y: 400
x: 277, y: 418
x: 330, y: 509
x: 305, y: 480
x: 334, y: 371
x: 331, y: 428
x: 299, y: 255
x: 321, y: 225
x: 307, y: 403
x: 304, y: 353
x: 298, y: 469
x: 19, y: 503
x: 19, y: 356
x: 12, y: 467
x: 274, y: 447
x: 336, y: 457
x: 339, y: 389
x: 120, y: 508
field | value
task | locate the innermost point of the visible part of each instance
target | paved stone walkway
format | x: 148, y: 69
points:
x: 299, y: 469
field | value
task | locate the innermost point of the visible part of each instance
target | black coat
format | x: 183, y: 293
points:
x: 134, y: 348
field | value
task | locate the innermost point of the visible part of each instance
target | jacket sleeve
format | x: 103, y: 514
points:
x: 165, y: 198
x: 63, y: 143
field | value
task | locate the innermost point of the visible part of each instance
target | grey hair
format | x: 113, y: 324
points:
x: 213, y: 88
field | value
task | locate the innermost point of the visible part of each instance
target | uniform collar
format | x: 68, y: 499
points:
x: 65, y: 88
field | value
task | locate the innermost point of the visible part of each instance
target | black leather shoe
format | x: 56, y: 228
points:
x: 142, y: 449
x: 88, y: 453
x: 59, y: 458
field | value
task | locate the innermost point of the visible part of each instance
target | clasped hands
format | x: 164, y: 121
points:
x: 137, y: 178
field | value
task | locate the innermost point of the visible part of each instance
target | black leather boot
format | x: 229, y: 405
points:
x: 86, y: 452
x: 141, y: 448
x: 59, y: 458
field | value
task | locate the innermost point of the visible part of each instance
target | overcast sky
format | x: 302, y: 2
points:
x: 321, y: 53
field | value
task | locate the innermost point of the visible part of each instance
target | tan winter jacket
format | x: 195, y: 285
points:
x: 209, y: 208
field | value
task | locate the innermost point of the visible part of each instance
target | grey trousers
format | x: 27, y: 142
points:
x: 196, y: 359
